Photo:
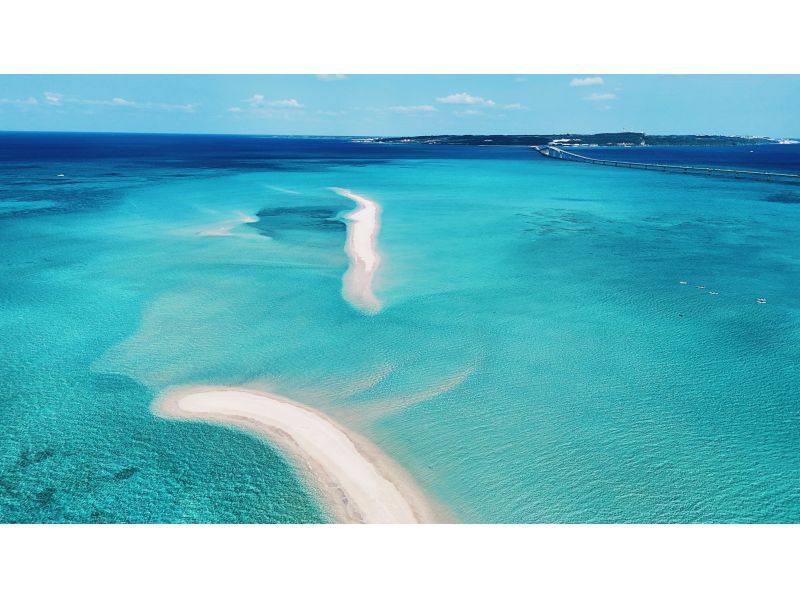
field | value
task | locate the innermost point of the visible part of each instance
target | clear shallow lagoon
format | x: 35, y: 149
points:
x: 536, y: 358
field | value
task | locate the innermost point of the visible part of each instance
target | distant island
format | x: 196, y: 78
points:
x: 573, y: 139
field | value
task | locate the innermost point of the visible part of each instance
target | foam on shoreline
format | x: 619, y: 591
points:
x: 359, y: 483
x: 363, y: 225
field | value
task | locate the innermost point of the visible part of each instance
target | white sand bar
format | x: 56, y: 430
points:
x: 360, y: 484
x: 225, y: 228
x: 362, y: 247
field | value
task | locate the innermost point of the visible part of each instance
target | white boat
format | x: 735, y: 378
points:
x: 761, y: 300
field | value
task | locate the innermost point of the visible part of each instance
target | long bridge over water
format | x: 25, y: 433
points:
x: 560, y: 154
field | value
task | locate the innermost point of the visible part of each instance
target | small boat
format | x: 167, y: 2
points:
x: 701, y: 286
x: 61, y: 174
x: 683, y: 282
x: 761, y: 300
x: 713, y: 293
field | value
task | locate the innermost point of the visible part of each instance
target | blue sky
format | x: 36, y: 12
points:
x: 402, y: 104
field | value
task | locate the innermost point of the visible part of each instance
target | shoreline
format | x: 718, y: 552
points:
x: 363, y: 225
x: 358, y: 482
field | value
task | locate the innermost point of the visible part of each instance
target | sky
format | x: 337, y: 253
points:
x: 403, y: 104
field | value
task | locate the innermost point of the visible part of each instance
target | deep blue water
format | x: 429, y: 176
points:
x: 210, y: 150
x: 766, y: 157
x: 537, y: 358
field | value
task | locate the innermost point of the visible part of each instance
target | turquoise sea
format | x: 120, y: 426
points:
x: 537, y: 358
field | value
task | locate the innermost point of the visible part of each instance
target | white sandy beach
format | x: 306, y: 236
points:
x: 360, y: 484
x: 362, y: 248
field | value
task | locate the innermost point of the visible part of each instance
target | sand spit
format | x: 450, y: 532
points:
x: 359, y: 483
x: 363, y: 225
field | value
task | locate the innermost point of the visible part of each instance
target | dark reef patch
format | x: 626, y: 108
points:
x: 45, y: 497
x: 28, y: 457
x: 554, y: 221
x: 784, y: 197
x: 124, y: 474
x: 68, y: 197
x: 273, y: 222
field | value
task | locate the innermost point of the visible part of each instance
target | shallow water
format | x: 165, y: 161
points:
x: 536, y: 358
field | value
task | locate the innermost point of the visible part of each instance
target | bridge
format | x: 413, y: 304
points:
x: 561, y: 154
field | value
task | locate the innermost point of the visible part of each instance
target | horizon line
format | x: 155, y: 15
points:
x: 344, y: 136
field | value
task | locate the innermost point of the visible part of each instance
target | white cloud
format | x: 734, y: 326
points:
x: 60, y: 100
x: 258, y: 100
x: 235, y: 109
x: 153, y: 105
x: 176, y: 107
x: 290, y: 103
x: 330, y: 112
x: 469, y: 112
x: 585, y: 81
x: 26, y: 102
x: 471, y: 100
x: 599, y: 97
x: 255, y: 100
x: 411, y: 109
x: 54, y: 99
x: 331, y: 77
x: 465, y: 98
